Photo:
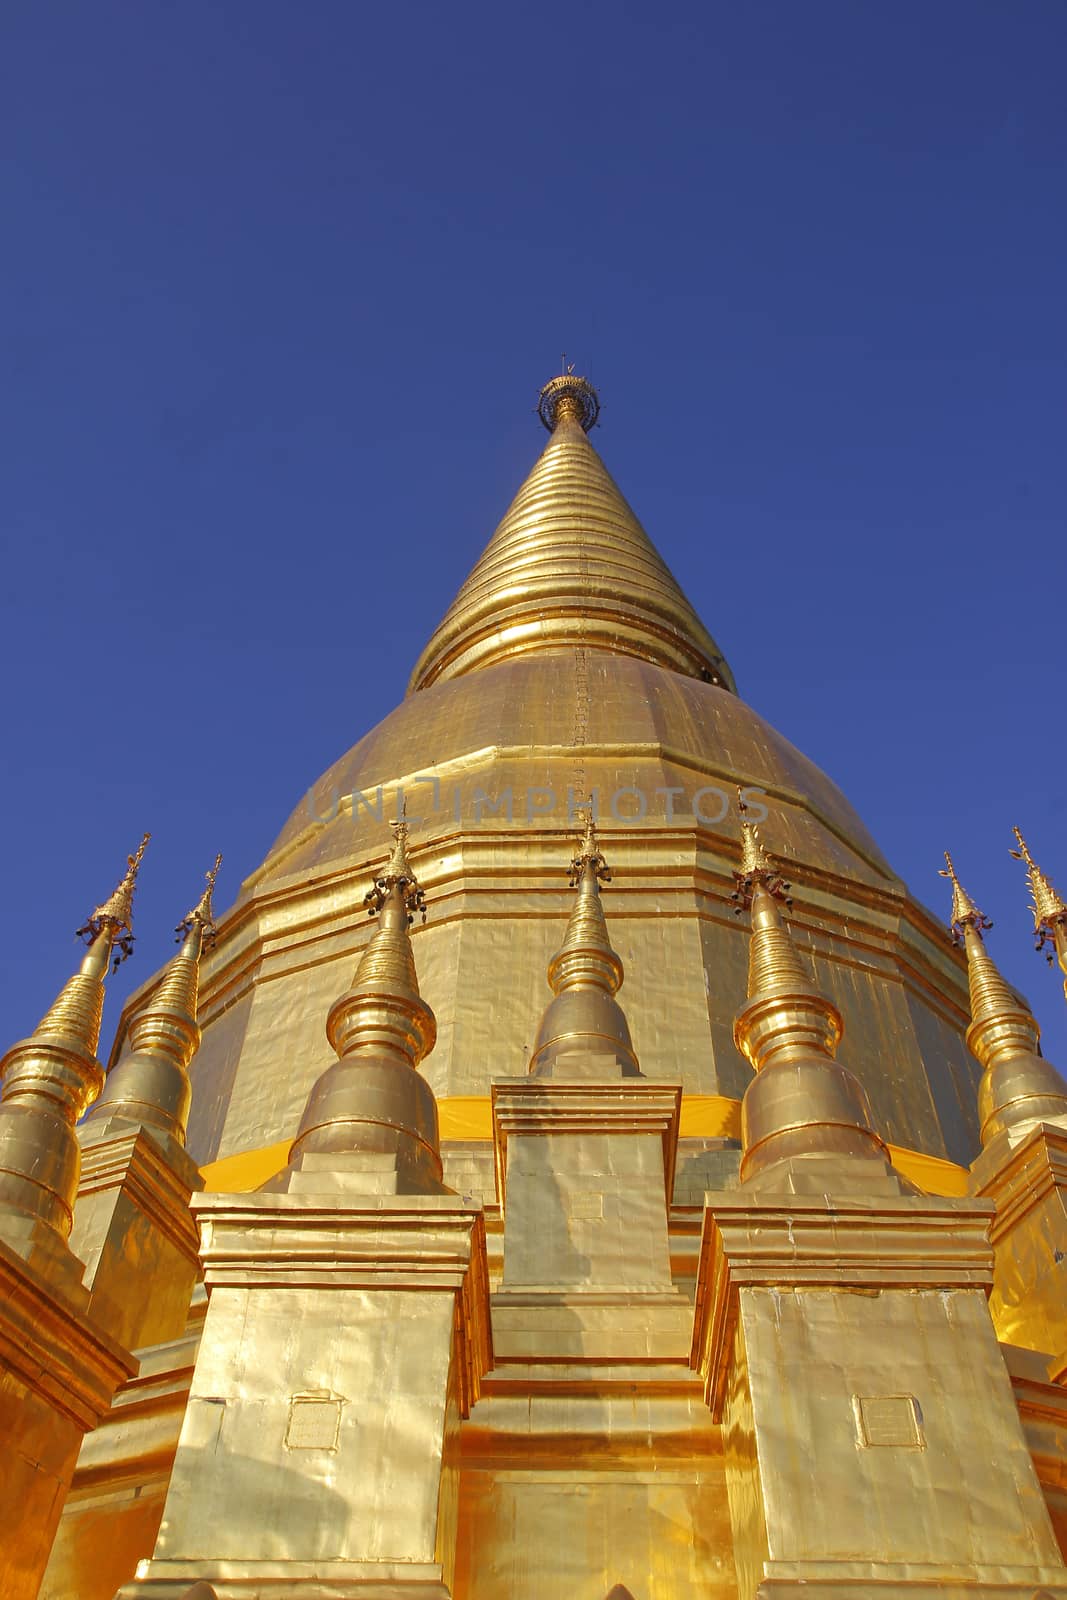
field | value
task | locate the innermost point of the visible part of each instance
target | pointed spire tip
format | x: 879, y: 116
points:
x: 202, y: 915
x: 965, y: 913
x: 589, y: 853
x: 398, y: 874
x: 1049, y: 907
x: 115, y: 914
x: 756, y: 865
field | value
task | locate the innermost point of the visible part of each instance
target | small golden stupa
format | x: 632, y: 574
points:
x: 407, y: 1252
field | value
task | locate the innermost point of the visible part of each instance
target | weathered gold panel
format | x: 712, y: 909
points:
x: 660, y: 1533
x: 809, y: 1354
x: 1028, y: 1184
x: 266, y: 1505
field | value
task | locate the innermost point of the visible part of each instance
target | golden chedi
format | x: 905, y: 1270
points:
x: 572, y: 669
x: 740, y: 1282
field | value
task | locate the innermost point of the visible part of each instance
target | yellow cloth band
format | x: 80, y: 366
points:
x: 704, y: 1116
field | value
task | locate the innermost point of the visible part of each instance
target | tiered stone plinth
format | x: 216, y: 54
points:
x: 1028, y: 1185
x: 872, y: 1439
x: 584, y: 1173
x: 135, y: 1232
x: 345, y: 1337
x: 58, y: 1372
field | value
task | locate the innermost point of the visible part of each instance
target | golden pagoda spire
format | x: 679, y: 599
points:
x: 584, y: 1020
x: 116, y: 912
x: 1050, y: 909
x: 371, y: 1105
x: 803, y: 1104
x: 150, y: 1086
x: 383, y: 1009
x: 1019, y: 1088
x: 569, y: 566
x: 48, y: 1081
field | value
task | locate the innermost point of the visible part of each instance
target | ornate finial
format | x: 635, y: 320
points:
x: 568, y: 396
x: 397, y: 874
x: 756, y: 865
x: 589, y: 854
x: 116, y: 913
x: 964, y: 911
x: 202, y: 914
x: 1050, y: 909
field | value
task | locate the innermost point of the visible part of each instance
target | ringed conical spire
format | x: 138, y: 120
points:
x: 570, y: 566
x: 584, y: 1029
x: 805, y: 1118
x: 48, y: 1081
x: 1018, y: 1088
x: 371, y: 1116
x: 150, y: 1086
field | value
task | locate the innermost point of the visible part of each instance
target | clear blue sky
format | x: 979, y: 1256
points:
x: 280, y: 284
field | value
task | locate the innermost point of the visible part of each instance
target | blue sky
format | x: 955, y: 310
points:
x: 279, y: 285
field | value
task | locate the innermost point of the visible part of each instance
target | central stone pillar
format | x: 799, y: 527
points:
x: 585, y: 1154
x: 585, y: 1171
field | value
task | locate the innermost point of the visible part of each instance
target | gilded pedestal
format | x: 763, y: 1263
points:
x: 135, y: 1232
x: 584, y: 1171
x: 872, y: 1439
x: 58, y: 1372
x: 1028, y: 1186
x: 345, y: 1337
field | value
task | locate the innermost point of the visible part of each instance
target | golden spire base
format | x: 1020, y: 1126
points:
x: 858, y: 1324
x: 806, y: 1124
x: 584, y: 1032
